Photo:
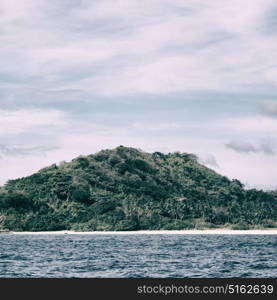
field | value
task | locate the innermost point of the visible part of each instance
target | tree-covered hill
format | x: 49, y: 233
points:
x: 127, y: 189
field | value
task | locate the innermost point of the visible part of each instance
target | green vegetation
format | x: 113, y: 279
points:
x: 127, y: 189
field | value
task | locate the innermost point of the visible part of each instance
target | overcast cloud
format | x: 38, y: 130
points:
x: 266, y: 147
x: 193, y: 76
x: 269, y: 108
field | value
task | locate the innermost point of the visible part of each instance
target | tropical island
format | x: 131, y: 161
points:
x: 125, y: 189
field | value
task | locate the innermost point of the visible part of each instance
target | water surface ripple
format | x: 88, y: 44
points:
x: 138, y: 256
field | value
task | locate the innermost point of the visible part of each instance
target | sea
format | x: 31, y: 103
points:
x: 160, y: 256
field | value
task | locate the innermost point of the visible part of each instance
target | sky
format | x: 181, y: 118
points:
x: 195, y: 76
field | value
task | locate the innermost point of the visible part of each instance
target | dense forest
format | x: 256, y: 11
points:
x: 127, y: 189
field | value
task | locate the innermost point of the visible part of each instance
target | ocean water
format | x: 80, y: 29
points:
x: 138, y: 256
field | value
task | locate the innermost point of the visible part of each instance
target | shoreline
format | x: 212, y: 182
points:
x: 222, y: 231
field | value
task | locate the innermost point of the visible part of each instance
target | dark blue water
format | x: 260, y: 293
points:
x: 138, y: 256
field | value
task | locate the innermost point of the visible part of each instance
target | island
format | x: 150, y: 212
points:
x: 126, y: 189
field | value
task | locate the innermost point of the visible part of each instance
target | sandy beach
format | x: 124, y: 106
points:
x: 156, y: 232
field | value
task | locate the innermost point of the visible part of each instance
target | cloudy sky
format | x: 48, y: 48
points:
x: 196, y: 76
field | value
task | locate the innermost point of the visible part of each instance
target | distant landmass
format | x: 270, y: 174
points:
x: 128, y: 189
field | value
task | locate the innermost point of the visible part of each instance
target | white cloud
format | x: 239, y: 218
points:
x: 50, y: 50
x: 18, y: 121
x: 270, y: 74
x: 138, y: 46
x: 249, y: 126
x: 23, y: 150
x: 155, y: 126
